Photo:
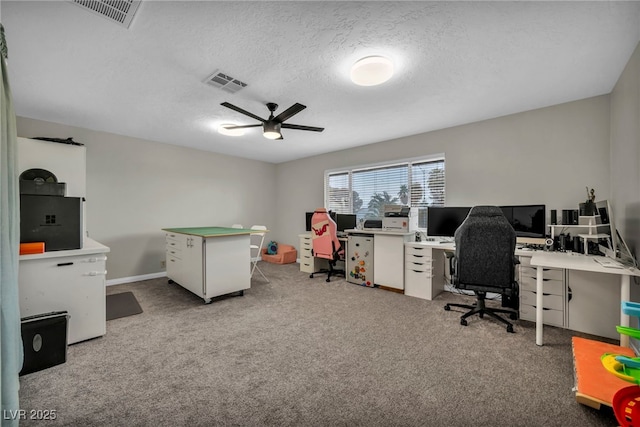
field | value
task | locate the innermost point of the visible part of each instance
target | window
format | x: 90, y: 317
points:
x: 364, y: 190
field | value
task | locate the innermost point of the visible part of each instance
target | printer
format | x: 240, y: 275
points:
x: 400, y: 218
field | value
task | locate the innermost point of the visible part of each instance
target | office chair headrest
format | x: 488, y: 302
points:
x: 485, y: 211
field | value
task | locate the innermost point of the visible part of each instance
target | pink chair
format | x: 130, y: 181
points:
x: 325, y: 242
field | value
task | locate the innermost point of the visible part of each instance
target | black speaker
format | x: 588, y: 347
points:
x: 554, y: 217
x: 548, y: 244
x: 564, y: 242
x: 577, y: 244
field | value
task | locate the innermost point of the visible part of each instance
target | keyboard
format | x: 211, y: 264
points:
x: 607, y: 262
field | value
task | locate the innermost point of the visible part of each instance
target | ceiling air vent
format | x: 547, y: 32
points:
x: 119, y: 11
x: 224, y: 82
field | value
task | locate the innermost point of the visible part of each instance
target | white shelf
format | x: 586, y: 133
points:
x: 594, y: 236
x: 578, y: 225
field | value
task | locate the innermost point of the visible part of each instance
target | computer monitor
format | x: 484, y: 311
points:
x: 443, y: 221
x: 346, y: 222
x: 618, y: 249
x: 526, y: 220
x: 309, y: 215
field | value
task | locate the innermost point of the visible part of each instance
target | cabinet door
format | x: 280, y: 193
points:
x: 594, y: 305
x: 73, y: 284
x: 388, y: 260
x: 227, y: 265
x: 192, y: 265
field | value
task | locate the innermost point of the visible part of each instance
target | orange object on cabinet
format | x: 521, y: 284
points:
x: 31, y: 248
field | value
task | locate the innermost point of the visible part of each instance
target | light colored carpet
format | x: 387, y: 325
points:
x: 303, y: 352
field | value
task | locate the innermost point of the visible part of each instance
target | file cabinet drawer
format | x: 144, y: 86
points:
x: 418, y: 266
x: 554, y: 302
x: 418, y: 251
x: 547, y: 273
x: 419, y: 284
x: 549, y: 316
x: 554, y: 287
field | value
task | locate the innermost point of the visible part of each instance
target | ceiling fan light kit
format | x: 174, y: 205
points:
x: 271, y: 130
x: 371, y: 71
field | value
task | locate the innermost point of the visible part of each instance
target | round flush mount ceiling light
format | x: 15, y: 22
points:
x: 222, y: 129
x: 371, y: 71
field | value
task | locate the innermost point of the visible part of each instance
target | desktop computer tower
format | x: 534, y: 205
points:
x: 54, y: 220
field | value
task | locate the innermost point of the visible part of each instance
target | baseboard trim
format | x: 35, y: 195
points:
x: 130, y: 279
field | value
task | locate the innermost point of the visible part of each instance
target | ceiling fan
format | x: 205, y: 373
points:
x: 271, y: 126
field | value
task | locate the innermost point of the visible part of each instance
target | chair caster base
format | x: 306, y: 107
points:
x: 510, y: 329
x: 447, y: 307
x: 463, y: 322
x: 513, y: 316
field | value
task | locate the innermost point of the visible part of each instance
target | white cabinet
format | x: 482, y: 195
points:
x: 72, y: 281
x: 594, y: 303
x: 554, y: 293
x: 388, y: 259
x: 423, y: 271
x: 308, y: 263
x: 209, y: 266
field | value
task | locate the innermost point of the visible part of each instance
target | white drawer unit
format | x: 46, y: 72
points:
x: 553, y: 298
x: 308, y: 263
x: 72, y: 281
x: 423, y: 276
x: 207, y: 263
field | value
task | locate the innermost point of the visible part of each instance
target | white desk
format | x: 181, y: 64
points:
x: 572, y: 261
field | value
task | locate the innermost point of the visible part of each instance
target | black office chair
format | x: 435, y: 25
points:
x: 485, y: 262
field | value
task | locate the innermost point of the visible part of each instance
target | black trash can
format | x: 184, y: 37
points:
x: 44, y: 339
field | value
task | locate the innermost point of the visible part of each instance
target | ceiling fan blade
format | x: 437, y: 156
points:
x: 290, y: 112
x: 240, y: 110
x: 242, y: 126
x: 301, y: 127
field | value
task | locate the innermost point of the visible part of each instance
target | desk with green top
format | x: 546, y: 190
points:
x: 209, y: 261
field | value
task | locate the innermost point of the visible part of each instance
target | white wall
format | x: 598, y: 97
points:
x: 625, y: 152
x: 136, y: 187
x: 543, y: 156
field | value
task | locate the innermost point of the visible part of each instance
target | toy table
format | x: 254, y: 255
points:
x: 595, y: 386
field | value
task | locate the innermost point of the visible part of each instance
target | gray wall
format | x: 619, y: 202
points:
x: 625, y: 152
x: 136, y: 187
x: 543, y: 156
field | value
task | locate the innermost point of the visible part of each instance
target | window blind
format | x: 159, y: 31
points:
x: 364, y: 190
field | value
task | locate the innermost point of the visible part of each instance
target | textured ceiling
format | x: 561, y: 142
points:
x: 456, y: 63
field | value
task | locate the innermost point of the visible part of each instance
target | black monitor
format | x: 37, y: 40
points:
x: 443, y: 221
x: 309, y: 215
x: 527, y: 220
x: 346, y: 222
